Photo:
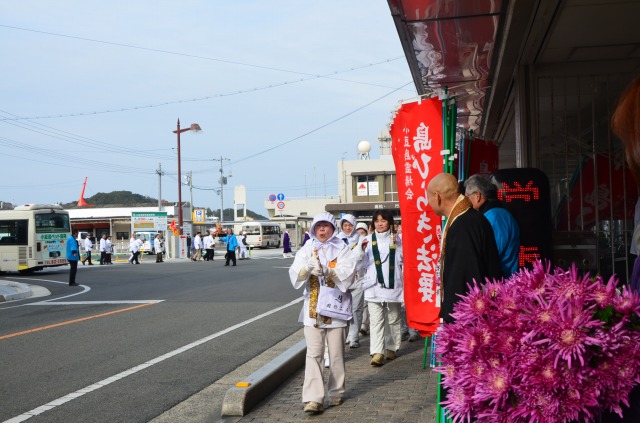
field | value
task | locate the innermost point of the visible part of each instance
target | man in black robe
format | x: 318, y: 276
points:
x: 469, y: 248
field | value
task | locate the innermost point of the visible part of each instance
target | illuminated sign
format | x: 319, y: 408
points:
x: 525, y: 193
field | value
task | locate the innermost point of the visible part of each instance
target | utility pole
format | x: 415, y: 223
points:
x: 190, y: 183
x: 223, y: 182
x: 160, y: 174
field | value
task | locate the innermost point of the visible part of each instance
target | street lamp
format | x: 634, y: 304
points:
x: 194, y: 127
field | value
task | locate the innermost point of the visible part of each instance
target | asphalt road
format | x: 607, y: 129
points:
x: 134, y: 340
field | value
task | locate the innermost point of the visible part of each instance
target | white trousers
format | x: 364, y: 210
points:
x: 357, y: 307
x: 385, y: 327
x: 313, y: 386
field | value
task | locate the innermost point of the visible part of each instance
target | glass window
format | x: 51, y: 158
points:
x: 14, y: 232
x: 251, y: 230
x: 271, y: 229
x: 51, y: 223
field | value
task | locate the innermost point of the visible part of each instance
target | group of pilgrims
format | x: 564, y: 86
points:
x: 365, y: 263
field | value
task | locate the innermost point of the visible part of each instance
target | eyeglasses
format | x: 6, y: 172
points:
x: 471, y: 193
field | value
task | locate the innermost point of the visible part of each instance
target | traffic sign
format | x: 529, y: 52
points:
x: 272, y: 197
x: 281, y: 197
x: 280, y: 205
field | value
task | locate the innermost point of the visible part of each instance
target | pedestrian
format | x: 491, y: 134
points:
x: 468, y: 249
x: 103, y: 249
x: 348, y: 231
x: 242, y: 247
x: 134, y: 246
x: 306, y: 237
x: 109, y: 250
x: 357, y: 294
x: 383, y: 287
x: 88, y: 246
x: 158, y: 245
x: 196, y: 247
x: 286, y: 244
x: 231, y: 243
x: 483, y: 195
x: 189, y: 245
x: 73, y: 255
x: 208, y: 243
x: 324, y: 261
x: 625, y: 123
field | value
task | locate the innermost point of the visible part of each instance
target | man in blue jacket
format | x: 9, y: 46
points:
x: 232, y: 244
x: 73, y: 255
x: 484, y: 198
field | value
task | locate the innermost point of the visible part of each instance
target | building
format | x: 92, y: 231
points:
x: 541, y: 78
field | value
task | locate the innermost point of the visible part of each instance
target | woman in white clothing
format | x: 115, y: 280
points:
x: 383, y: 288
x: 327, y: 261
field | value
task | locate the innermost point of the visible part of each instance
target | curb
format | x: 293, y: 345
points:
x: 14, y: 291
x: 238, y: 401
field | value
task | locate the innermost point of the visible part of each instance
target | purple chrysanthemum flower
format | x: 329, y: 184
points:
x: 628, y: 303
x: 601, y: 294
x: 475, y: 305
x: 541, y: 347
x: 569, y: 337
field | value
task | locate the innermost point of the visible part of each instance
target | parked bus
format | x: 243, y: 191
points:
x: 262, y: 234
x: 33, y: 236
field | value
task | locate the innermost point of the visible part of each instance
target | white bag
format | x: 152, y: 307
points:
x: 334, y: 303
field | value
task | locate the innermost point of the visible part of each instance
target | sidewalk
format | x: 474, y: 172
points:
x: 399, y: 391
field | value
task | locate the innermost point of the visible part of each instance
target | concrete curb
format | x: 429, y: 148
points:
x: 238, y: 401
x: 10, y: 291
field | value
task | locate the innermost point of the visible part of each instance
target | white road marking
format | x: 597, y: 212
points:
x: 62, y: 400
x: 85, y: 289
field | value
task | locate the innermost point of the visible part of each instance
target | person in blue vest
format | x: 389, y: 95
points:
x: 232, y: 244
x: 73, y: 255
x: 483, y: 195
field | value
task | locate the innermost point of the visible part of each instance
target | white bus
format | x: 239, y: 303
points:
x: 33, y: 236
x: 262, y: 234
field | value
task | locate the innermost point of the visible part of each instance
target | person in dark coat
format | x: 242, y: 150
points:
x: 469, y: 250
x: 286, y: 243
x: 306, y: 237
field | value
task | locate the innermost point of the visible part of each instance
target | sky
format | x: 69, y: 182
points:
x: 283, y: 90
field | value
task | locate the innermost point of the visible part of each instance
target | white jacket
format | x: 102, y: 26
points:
x: 158, y: 245
x: 373, y: 291
x: 344, y: 275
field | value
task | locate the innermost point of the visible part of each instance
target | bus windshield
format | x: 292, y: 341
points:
x: 51, y: 223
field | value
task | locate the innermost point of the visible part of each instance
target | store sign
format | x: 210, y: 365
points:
x: 198, y: 217
x: 417, y: 142
x: 362, y: 189
x: 148, y: 221
x: 374, y: 188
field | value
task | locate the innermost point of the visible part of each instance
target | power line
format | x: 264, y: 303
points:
x: 322, y: 126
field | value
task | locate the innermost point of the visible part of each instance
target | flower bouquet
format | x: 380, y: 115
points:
x: 541, y: 346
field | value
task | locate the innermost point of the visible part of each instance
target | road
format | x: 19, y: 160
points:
x: 134, y: 340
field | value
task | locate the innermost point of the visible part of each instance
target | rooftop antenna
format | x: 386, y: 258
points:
x: 82, y: 202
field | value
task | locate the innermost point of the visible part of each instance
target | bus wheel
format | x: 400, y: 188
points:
x: 26, y: 271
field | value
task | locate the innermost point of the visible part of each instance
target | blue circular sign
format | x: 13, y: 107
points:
x: 272, y: 197
x: 281, y: 197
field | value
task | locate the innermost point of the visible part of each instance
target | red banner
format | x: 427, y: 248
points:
x: 483, y: 157
x: 416, y: 136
